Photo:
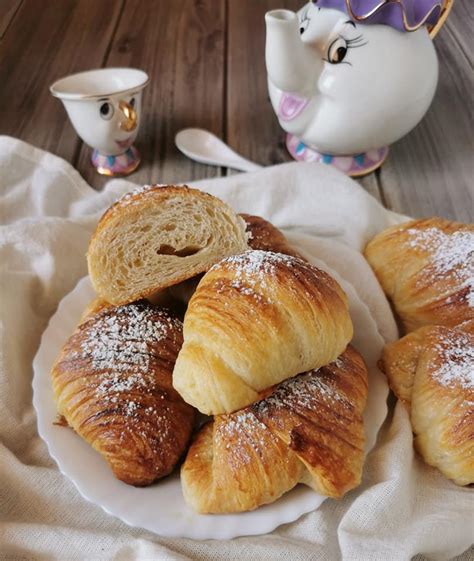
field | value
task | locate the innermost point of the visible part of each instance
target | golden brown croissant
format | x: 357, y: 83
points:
x: 426, y: 268
x: 263, y: 235
x: 255, y: 320
x: 113, y: 384
x: 309, y: 430
x: 432, y: 371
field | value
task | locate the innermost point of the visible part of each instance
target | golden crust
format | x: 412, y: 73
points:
x: 263, y: 235
x: 432, y: 370
x: 155, y: 193
x: 310, y: 430
x: 112, y: 383
x: 254, y: 320
x: 94, y: 307
x: 426, y: 268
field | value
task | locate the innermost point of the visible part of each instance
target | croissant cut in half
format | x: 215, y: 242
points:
x: 432, y: 371
x: 113, y: 385
x: 255, y: 320
x: 426, y: 268
x: 157, y: 236
x: 309, y: 430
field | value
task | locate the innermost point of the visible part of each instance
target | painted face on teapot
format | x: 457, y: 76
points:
x: 343, y: 87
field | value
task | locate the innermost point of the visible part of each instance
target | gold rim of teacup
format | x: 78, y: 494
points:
x: 76, y: 96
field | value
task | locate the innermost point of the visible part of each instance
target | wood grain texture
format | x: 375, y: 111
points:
x: 207, y: 68
x: 252, y: 128
x: 45, y: 41
x: 180, y: 44
x: 431, y: 170
x: 8, y: 9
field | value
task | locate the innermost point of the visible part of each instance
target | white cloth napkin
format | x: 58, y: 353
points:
x: 47, y: 212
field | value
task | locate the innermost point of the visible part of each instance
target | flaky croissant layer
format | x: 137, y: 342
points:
x: 308, y: 430
x: 426, y: 268
x: 255, y: 320
x: 432, y: 371
x: 113, y: 384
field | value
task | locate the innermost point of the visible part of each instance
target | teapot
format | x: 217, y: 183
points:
x: 347, y: 78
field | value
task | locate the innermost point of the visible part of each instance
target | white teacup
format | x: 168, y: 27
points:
x: 104, y: 106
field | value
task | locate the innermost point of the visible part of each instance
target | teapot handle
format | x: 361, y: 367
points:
x: 448, y: 4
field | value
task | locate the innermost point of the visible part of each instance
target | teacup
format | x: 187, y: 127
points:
x: 104, y: 106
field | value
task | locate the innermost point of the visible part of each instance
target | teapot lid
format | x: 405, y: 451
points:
x: 404, y: 15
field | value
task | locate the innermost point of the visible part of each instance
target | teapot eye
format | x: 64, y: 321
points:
x: 304, y: 26
x: 337, y: 51
x: 106, y: 111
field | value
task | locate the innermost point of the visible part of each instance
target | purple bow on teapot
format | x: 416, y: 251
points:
x: 404, y: 15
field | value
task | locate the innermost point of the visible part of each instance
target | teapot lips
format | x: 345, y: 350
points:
x: 291, y: 105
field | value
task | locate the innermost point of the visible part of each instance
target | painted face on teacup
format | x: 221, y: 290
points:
x: 344, y: 87
x: 104, y: 106
x: 110, y: 123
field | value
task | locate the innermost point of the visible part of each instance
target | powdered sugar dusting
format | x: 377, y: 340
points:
x: 130, y: 197
x: 456, y: 355
x: 120, y: 339
x: 302, y: 391
x: 254, y: 271
x: 257, y: 263
x: 242, y: 430
x: 120, y: 343
x: 452, y: 254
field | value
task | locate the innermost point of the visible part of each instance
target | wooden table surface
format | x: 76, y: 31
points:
x: 205, y: 59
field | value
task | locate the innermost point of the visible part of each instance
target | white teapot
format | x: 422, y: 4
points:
x: 348, y: 77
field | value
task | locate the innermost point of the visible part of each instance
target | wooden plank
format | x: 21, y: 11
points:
x: 431, y: 171
x: 8, y: 9
x: 251, y: 125
x: 460, y: 26
x: 45, y: 41
x: 180, y: 44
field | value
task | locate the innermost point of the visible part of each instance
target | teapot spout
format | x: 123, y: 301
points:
x: 291, y: 64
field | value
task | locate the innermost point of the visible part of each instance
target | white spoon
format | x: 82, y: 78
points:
x: 205, y: 147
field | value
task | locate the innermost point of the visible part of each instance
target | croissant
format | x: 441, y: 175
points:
x: 255, y: 320
x: 309, y: 430
x: 263, y: 235
x: 113, y: 385
x: 426, y: 268
x: 157, y: 236
x: 432, y: 371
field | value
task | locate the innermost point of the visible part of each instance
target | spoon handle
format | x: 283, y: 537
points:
x: 241, y: 164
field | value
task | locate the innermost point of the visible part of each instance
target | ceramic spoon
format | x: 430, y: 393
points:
x: 205, y: 147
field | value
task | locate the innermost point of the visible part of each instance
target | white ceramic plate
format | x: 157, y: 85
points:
x: 160, y: 508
